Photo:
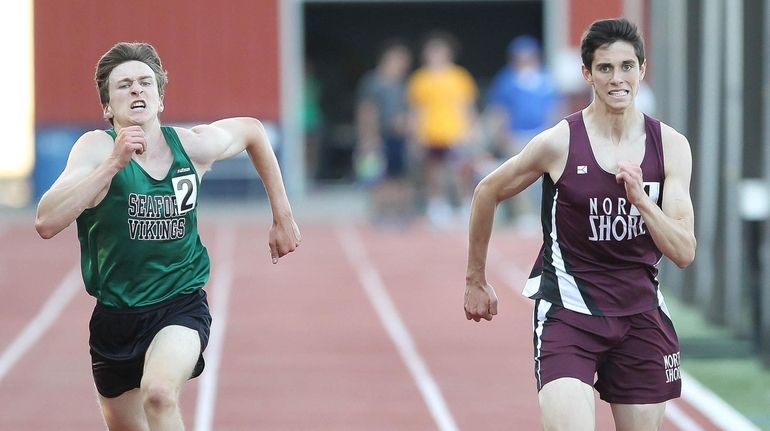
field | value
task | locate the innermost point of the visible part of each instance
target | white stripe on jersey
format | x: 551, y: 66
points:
x: 662, y: 303
x: 568, y: 290
x: 542, y: 309
x: 531, y: 286
x: 661, y: 300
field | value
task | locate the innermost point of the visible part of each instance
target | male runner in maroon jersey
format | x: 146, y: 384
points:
x: 615, y: 200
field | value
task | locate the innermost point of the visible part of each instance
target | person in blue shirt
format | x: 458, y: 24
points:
x: 521, y: 102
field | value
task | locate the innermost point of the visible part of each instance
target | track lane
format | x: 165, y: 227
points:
x: 51, y: 387
x: 390, y: 317
x: 485, y: 382
x: 30, y: 268
x: 48, y: 385
x: 305, y: 350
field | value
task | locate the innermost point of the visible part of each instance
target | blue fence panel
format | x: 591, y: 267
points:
x: 52, y: 146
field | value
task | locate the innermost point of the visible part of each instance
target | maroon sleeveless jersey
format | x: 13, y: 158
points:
x: 598, y: 257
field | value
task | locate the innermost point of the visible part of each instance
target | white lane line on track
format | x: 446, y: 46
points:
x: 394, y: 325
x: 714, y: 408
x: 219, y: 302
x: 47, y: 315
x: 679, y: 418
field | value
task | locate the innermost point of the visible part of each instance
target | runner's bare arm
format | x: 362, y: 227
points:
x: 92, y: 162
x: 542, y: 154
x: 226, y: 138
x: 672, y: 227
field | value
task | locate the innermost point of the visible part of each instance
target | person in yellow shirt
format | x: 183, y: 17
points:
x: 442, y: 98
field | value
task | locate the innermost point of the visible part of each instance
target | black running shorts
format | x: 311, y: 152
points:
x: 120, y: 338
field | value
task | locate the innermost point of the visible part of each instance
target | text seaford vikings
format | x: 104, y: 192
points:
x: 154, y: 218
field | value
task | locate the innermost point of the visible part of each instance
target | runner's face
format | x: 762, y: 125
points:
x: 134, y: 97
x: 615, y: 75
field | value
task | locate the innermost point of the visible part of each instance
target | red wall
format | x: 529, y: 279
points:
x: 221, y: 56
x: 584, y: 12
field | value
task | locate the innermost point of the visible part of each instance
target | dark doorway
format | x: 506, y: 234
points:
x: 342, y: 41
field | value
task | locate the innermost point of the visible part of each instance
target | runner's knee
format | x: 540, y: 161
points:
x: 159, y: 398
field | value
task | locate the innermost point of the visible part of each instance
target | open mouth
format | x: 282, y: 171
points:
x: 619, y: 93
x: 139, y: 104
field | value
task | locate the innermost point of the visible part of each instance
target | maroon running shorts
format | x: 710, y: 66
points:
x: 627, y: 359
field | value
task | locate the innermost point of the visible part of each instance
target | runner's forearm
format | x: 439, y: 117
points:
x: 672, y: 237
x: 482, y: 217
x: 263, y: 158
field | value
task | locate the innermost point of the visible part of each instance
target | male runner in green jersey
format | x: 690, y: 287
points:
x: 133, y: 192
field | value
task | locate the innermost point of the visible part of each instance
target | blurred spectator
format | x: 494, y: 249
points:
x: 569, y: 81
x: 522, y: 96
x: 442, y: 98
x: 521, y: 103
x: 381, y: 119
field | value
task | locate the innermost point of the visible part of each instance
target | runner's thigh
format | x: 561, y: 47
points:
x: 638, y: 417
x: 172, y: 356
x: 567, y: 404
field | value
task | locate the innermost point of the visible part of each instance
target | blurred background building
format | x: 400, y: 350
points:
x: 295, y: 65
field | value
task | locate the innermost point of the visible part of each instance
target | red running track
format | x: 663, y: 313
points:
x: 360, y: 329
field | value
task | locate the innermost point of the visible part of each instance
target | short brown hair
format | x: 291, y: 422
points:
x: 607, y: 31
x: 121, y: 53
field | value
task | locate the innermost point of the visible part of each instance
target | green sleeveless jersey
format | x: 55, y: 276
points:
x: 140, y: 245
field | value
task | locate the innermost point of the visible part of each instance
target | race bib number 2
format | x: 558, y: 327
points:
x: 186, y: 191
